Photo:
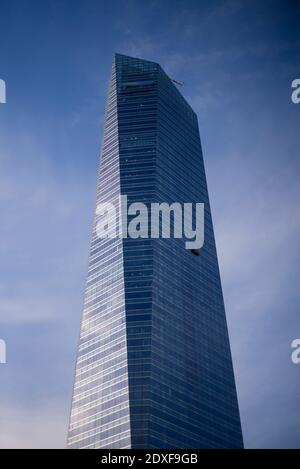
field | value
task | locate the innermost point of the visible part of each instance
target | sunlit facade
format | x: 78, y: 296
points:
x: 154, y: 367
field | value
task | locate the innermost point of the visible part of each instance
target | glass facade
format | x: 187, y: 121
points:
x: 154, y: 367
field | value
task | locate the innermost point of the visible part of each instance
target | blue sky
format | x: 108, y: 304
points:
x: 237, y: 60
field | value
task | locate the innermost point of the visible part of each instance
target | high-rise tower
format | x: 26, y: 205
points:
x: 154, y: 367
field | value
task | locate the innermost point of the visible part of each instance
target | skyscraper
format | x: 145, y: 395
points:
x: 154, y: 367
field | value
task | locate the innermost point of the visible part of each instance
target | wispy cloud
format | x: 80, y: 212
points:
x: 23, y: 310
x: 40, y: 427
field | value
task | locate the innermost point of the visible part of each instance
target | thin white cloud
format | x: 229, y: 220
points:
x: 30, y: 309
x: 33, y: 428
